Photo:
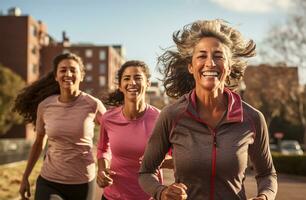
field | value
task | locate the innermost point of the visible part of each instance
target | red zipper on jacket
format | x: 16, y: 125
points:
x: 214, y: 156
x: 213, y: 165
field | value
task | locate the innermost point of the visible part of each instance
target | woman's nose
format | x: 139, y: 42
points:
x: 68, y: 73
x: 210, y: 62
x: 132, y: 82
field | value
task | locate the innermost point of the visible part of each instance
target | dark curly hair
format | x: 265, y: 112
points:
x: 27, y: 100
x: 177, y: 80
x: 116, y: 98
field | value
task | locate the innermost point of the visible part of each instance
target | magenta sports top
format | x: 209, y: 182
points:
x: 123, y: 142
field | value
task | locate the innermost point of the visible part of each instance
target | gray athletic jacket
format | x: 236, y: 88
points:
x: 211, y: 162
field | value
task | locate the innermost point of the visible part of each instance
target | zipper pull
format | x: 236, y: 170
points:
x: 215, y: 141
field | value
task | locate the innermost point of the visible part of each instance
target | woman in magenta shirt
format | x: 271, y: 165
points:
x: 125, y: 130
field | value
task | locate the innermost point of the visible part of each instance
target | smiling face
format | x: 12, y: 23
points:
x: 210, y: 64
x: 133, y: 83
x: 69, y: 75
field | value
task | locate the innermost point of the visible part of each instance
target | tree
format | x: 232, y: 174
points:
x: 286, y: 43
x: 267, y: 89
x: 10, y: 84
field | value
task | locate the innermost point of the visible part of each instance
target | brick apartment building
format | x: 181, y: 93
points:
x: 28, y: 49
x: 21, y: 39
x: 101, y: 63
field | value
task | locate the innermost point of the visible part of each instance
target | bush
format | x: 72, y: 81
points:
x: 10, y: 84
x: 290, y: 164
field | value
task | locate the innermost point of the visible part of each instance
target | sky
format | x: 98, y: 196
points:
x: 145, y: 27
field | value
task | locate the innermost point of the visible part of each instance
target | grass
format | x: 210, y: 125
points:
x: 11, y: 176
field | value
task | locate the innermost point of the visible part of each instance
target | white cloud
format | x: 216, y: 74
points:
x: 254, y: 6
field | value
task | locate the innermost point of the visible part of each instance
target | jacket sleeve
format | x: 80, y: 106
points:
x: 156, y: 149
x: 261, y: 158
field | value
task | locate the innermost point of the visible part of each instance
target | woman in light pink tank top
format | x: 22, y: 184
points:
x: 125, y: 130
x: 67, y: 116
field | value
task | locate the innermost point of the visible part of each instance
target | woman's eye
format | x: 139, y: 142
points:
x: 219, y: 56
x: 202, y: 56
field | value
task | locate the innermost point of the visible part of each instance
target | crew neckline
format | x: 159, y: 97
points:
x: 70, y: 102
x: 137, y: 119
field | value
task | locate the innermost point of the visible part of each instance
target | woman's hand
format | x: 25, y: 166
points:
x: 104, y: 177
x: 175, y: 191
x: 24, y: 189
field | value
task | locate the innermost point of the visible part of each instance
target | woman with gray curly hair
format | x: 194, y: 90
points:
x: 210, y: 130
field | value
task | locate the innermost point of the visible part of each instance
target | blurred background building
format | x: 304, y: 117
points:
x: 28, y: 50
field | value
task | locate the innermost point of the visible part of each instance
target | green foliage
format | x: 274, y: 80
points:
x: 290, y: 164
x: 10, y: 85
x: 11, y: 175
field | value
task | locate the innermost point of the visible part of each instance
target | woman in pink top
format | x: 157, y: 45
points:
x: 125, y: 130
x: 60, y: 110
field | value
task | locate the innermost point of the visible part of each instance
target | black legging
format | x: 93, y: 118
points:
x: 48, y: 190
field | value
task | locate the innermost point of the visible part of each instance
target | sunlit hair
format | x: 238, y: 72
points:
x: 116, y: 98
x: 174, y: 62
x: 27, y: 101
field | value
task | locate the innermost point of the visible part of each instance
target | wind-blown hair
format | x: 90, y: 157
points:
x: 116, y: 98
x: 27, y: 100
x: 177, y: 79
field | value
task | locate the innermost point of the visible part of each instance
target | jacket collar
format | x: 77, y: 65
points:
x: 234, y: 107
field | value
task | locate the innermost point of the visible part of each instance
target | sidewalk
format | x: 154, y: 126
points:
x: 289, y: 187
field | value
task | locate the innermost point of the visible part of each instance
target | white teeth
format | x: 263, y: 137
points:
x: 209, y: 73
x: 132, y: 90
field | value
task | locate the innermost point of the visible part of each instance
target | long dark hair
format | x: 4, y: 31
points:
x: 27, y: 101
x: 116, y: 98
x: 177, y: 80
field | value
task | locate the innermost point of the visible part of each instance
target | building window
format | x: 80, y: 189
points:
x: 34, y: 68
x: 33, y: 30
x: 88, y: 53
x: 88, y: 66
x: 102, y: 55
x: 102, y: 68
x: 88, y: 78
x: 102, y: 81
x: 34, y: 50
x: 66, y: 51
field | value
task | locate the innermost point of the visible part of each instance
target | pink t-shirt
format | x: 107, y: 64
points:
x: 70, y: 130
x: 123, y: 142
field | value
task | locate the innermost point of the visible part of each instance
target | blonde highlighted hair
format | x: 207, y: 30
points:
x: 177, y: 80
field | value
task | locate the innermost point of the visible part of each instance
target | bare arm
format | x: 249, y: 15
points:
x: 33, y: 157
